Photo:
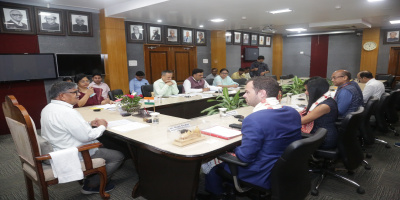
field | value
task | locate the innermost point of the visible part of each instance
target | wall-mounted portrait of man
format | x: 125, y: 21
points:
x: 268, y: 41
x: 246, y: 40
x: 79, y: 23
x: 172, y: 35
x: 16, y: 19
x: 261, y: 40
x: 136, y: 32
x: 392, y: 36
x: 50, y: 21
x: 201, y: 38
x: 238, y: 37
x: 228, y: 37
x: 187, y: 36
x: 155, y: 33
x: 254, y: 39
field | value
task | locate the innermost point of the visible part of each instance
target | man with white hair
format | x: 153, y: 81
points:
x: 79, y: 26
x: 50, y: 23
x: 16, y: 21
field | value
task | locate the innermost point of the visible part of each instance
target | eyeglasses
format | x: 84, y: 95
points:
x: 75, y: 92
x: 335, y: 77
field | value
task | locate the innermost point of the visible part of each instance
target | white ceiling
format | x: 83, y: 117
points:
x: 192, y: 13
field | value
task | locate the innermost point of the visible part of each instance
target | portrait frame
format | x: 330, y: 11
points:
x: 74, y: 29
x: 252, y: 43
x: 198, y: 43
x: 261, y: 40
x: 156, y: 39
x: 43, y: 28
x: 129, y: 27
x: 27, y: 19
x: 268, y: 41
x: 183, y: 31
x: 244, y: 42
x: 170, y: 39
x: 230, y: 39
x: 388, y: 40
x: 235, y: 40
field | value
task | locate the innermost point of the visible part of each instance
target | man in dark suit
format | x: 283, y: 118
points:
x: 79, y: 26
x: 136, y: 35
x: 156, y: 35
x: 15, y: 22
x: 50, y: 23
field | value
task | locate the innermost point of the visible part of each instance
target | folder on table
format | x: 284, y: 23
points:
x: 222, y: 132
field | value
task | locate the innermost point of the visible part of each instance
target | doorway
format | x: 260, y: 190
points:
x: 394, y: 62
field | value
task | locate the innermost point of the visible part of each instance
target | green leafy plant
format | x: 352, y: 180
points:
x: 129, y: 102
x: 329, y: 81
x: 297, y: 87
x: 225, y: 101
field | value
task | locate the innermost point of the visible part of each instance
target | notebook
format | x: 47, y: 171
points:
x: 222, y: 132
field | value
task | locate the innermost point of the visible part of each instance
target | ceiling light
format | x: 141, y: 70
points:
x: 201, y: 26
x: 217, y: 20
x: 296, y: 29
x: 321, y: 33
x: 395, y: 22
x: 374, y: 0
x: 250, y: 27
x: 159, y: 20
x: 280, y: 11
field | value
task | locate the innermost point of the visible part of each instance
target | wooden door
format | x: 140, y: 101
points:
x: 181, y: 60
x: 394, y: 62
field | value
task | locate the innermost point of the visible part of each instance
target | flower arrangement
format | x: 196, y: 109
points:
x: 130, y: 103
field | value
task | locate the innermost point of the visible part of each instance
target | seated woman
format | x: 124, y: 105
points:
x: 223, y: 80
x: 88, y: 96
x: 321, y: 111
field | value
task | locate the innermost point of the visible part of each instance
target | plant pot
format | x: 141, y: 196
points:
x: 133, y: 109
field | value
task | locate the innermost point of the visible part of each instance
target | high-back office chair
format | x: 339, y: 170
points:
x: 348, y: 151
x: 210, y: 81
x: 391, y: 112
x: 113, y: 93
x: 389, y: 79
x: 180, y: 88
x: 380, y: 114
x: 147, y: 90
x: 23, y: 132
x: 290, y: 178
x: 290, y: 76
x: 241, y: 81
x: 284, y: 77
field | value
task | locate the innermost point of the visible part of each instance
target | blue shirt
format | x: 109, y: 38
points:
x: 136, y: 85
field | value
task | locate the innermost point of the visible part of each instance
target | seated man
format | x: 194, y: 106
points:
x: 165, y: 86
x: 348, y: 95
x: 63, y: 127
x: 266, y: 134
x: 239, y: 74
x: 247, y: 73
x: 135, y: 85
x: 195, y: 83
x: 213, y: 74
x: 372, y: 86
x: 96, y: 83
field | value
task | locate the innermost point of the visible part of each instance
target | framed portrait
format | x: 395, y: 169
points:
x: 261, y: 40
x: 237, y: 38
x: 80, y: 23
x: 228, y: 37
x: 187, y: 36
x: 172, y: 35
x: 254, y: 39
x: 17, y: 18
x: 201, y: 39
x: 135, y: 32
x: 268, y: 41
x: 155, y: 34
x: 391, y: 36
x: 246, y: 39
x: 49, y: 21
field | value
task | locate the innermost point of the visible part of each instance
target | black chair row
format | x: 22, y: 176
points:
x: 389, y: 80
x: 287, y: 76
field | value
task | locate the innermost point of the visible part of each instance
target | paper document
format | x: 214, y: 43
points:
x: 118, y: 123
x: 106, y: 106
x: 221, y: 132
x: 130, y: 126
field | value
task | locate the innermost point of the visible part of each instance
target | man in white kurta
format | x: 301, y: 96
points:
x: 372, y: 87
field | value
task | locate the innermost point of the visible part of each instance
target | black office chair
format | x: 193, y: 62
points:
x: 210, y: 81
x: 289, y: 177
x: 390, y: 82
x: 389, y: 79
x: 113, y: 93
x: 180, y: 88
x: 241, y: 81
x: 348, y: 151
x: 391, y: 112
x: 290, y: 76
x: 284, y: 77
x: 379, y: 120
x: 147, y: 90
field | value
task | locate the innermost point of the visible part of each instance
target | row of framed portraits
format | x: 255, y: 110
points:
x: 24, y: 19
x: 161, y: 34
x: 253, y: 39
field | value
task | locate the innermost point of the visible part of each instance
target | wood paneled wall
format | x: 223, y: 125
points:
x: 369, y: 59
x: 277, y: 52
x: 113, y: 43
x: 218, y: 49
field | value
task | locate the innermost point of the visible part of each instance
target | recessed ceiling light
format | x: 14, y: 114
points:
x: 250, y: 27
x: 217, y: 20
x: 280, y: 11
x: 296, y: 29
x: 201, y: 26
x: 159, y: 20
x: 244, y: 18
x: 395, y: 22
x: 374, y: 0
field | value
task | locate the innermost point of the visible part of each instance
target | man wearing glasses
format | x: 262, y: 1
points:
x: 63, y: 127
x: 16, y: 21
x: 348, y: 95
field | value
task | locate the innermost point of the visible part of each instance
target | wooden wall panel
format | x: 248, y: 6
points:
x: 277, y: 48
x: 369, y: 59
x: 218, y: 50
x: 113, y: 43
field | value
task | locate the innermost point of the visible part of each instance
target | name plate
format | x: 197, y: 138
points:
x: 178, y: 127
x: 232, y: 112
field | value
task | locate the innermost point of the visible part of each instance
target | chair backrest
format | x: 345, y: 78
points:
x: 147, y: 90
x: 113, y: 93
x: 350, y: 151
x: 290, y: 76
x: 391, y: 112
x: 383, y: 77
x: 180, y: 88
x: 210, y: 81
x: 240, y: 81
x: 284, y: 77
x: 290, y: 177
x: 365, y: 129
x: 380, y: 114
x: 390, y: 81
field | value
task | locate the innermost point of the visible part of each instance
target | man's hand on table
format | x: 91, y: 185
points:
x: 99, y: 122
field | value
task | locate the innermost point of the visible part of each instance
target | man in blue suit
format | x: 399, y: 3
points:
x: 266, y: 134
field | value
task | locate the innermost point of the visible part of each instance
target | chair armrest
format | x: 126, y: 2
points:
x: 80, y: 149
x: 233, y: 163
x: 232, y: 159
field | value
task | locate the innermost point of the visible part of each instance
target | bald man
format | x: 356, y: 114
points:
x: 16, y: 21
x: 348, y: 95
x: 79, y: 26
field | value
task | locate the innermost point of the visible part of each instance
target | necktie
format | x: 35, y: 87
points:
x: 186, y: 39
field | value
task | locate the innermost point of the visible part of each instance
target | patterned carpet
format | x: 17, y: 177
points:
x: 381, y: 182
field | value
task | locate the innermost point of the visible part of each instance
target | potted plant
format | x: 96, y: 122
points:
x: 225, y: 101
x: 297, y: 87
x: 129, y: 103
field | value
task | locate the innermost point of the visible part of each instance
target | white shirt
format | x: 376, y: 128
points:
x: 64, y: 127
x: 373, y: 88
x: 188, y: 86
